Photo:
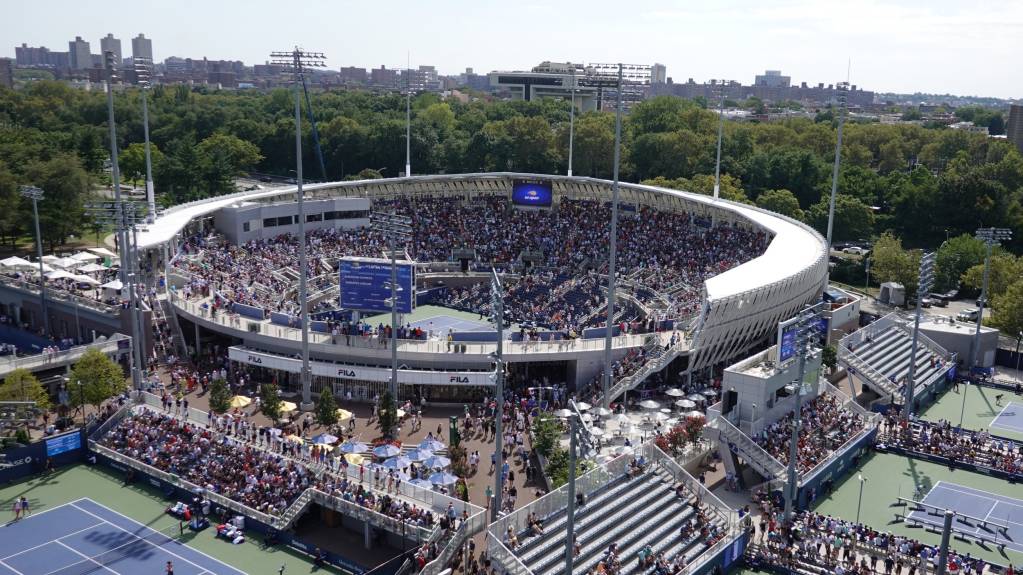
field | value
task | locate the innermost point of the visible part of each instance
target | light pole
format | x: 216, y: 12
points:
x: 1019, y: 338
x: 297, y: 60
x: 115, y: 170
x: 991, y: 238
x: 924, y: 283
x: 962, y: 410
x: 612, y: 250
x: 859, y: 502
x: 721, y: 132
x: 572, y: 414
x: 571, y: 124
x: 840, y: 94
x: 408, y: 117
x: 35, y: 194
x: 144, y: 79
x: 394, y: 227
x: 497, y: 311
x: 805, y: 333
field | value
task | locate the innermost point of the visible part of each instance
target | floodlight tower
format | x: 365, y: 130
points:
x: 991, y: 238
x: 841, y: 93
x: 721, y: 131
x: 115, y: 171
x: 144, y: 75
x: 926, y: 280
x: 408, y: 117
x: 296, y: 61
x: 612, y: 251
x: 807, y: 334
x: 395, y: 227
x: 35, y: 194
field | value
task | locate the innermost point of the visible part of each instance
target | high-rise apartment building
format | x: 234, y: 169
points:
x: 110, y: 44
x: 142, y: 47
x: 1014, y: 129
x: 658, y: 74
x: 81, y: 57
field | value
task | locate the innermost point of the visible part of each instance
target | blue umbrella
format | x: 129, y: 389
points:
x: 325, y: 438
x: 431, y: 444
x: 399, y: 462
x: 354, y: 447
x: 422, y: 483
x: 386, y: 450
x: 437, y: 462
x: 402, y: 476
x: 443, y: 478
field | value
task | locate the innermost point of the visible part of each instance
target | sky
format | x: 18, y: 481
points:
x: 904, y: 46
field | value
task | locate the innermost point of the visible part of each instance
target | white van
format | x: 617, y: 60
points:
x: 968, y: 314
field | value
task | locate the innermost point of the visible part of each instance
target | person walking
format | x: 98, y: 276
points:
x: 17, y: 509
x: 25, y: 512
x: 170, y: 568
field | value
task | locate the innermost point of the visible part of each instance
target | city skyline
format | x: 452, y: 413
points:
x: 896, y: 47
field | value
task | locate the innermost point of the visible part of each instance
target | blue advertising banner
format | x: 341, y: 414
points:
x: 366, y: 284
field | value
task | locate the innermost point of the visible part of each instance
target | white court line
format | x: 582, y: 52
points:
x: 11, y: 568
x: 44, y: 511
x: 194, y: 550
x: 51, y: 541
x: 994, y: 422
x: 87, y: 558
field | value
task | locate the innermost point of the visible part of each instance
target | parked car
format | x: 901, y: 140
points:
x: 968, y: 314
x: 938, y: 299
x: 265, y: 179
x: 856, y: 250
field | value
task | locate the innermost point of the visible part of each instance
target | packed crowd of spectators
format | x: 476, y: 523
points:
x: 820, y: 544
x: 261, y: 480
x: 664, y: 253
x: 945, y: 440
x: 825, y: 425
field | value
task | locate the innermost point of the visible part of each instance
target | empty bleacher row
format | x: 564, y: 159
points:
x: 883, y: 356
x: 635, y: 514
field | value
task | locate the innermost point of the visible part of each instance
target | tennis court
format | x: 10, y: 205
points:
x: 1004, y: 515
x: 440, y: 324
x: 84, y: 537
x: 1010, y: 418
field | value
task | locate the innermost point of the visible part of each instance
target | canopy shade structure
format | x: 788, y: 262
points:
x: 91, y: 268
x: 15, y: 262
x: 86, y: 257
x: 102, y: 252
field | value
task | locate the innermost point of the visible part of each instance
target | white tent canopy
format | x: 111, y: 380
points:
x: 49, y: 259
x: 15, y: 262
x: 86, y: 280
x: 102, y: 252
x: 58, y: 275
x: 85, y: 257
x: 91, y: 268
x: 66, y: 262
x: 116, y: 284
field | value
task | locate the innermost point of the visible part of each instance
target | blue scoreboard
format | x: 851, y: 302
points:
x: 366, y: 284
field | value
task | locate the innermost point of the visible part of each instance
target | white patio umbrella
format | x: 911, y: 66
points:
x: 601, y: 411
x: 685, y: 403
x: 437, y: 462
x: 91, y: 268
x: 582, y: 405
x: 49, y: 259
x: 649, y: 404
x: 674, y: 392
x: 115, y: 284
x: 85, y: 257
x: 695, y: 414
x: 85, y: 280
x: 15, y: 262
x: 398, y: 462
x: 59, y: 275
x: 443, y: 478
x: 102, y: 252
x: 66, y: 263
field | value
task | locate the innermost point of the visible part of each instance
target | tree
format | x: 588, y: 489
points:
x: 21, y: 385
x: 270, y: 399
x: 954, y: 258
x: 1005, y: 270
x: 891, y: 262
x: 829, y: 356
x: 224, y: 157
x: 546, y: 431
x: 1007, y: 309
x: 100, y: 379
x: 326, y: 408
x: 387, y: 415
x: 66, y: 186
x: 782, y: 202
x: 11, y: 221
x: 220, y: 396
x: 854, y: 220
x: 132, y: 161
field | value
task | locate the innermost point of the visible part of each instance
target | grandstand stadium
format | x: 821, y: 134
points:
x: 716, y: 274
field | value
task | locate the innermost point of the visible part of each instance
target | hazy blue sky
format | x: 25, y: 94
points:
x: 967, y: 48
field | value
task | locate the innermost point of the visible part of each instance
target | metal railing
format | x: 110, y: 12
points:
x: 352, y: 509
x: 748, y: 448
x: 476, y: 523
x: 61, y: 295
x: 70, y: 354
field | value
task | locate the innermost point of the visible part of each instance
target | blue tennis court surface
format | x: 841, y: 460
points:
x: 1011, y: 418
x: 85, y: 537
x: 440, y: 324
x: 1000, y: 510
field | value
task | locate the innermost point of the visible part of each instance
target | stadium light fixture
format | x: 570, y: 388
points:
x: 143, y: 76
x: 722, y: 84
x: 924, y: 284
x: 35, y: 194
x: 395, y: 227
x: 497, y: 311
x: 296, y: 61
x: 991, y: 238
